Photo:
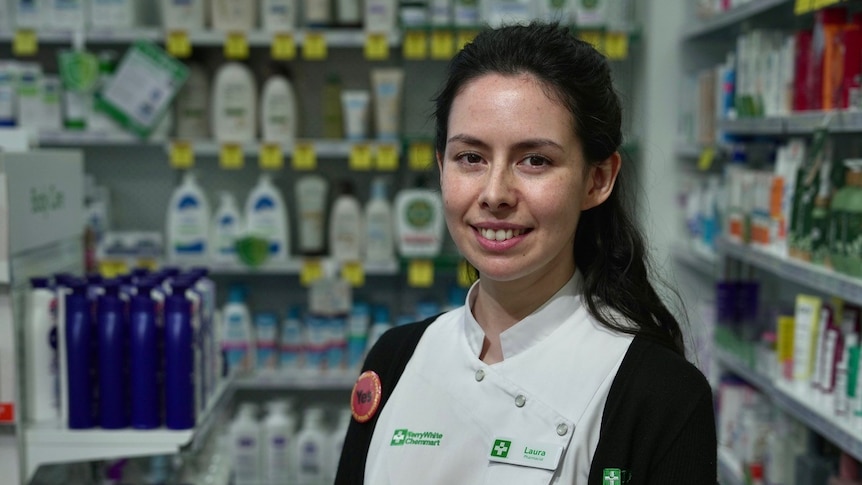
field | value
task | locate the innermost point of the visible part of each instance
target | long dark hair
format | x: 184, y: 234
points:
x: 609, y: 247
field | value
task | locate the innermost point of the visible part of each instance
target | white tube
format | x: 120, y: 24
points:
x: 388, y: 85
x: 355, y: 107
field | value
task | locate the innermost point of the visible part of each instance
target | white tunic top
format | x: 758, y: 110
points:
x: 454, y: 419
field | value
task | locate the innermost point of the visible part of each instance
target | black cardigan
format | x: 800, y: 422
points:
x: 658, y: 424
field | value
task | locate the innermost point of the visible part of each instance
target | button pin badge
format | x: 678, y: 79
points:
x: 365, y: 399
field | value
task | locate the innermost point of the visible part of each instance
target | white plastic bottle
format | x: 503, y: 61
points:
x: 419, y: 223
x: 312, y: 445
x: 278, y: 118
x: 346, y: 226
x: 227, y: 228
x: 233, y: 118
x: 187, y: 15
x: 40, y: 352
x: 68, y: 15
x: 188, y: 221
x: 279, y: 433
x: 311, y: 192
x: 292, y: 340
x: 336, y: 441
x: 279, y: 15
x: 316, y: 13
x: 245, y: 444
x: 266, y: 217
x: 192, y: 106
x: 113, y: 14
x: 237, y: 337
x: 234, y: 15
x: 379, y: 233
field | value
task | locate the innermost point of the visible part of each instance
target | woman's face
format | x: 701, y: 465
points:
x: 513, y: 180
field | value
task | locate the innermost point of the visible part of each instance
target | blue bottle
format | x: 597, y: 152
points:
x: 113, y: 357
x: 179, y: 360
x: 144, y: 359
x: 79, y: 356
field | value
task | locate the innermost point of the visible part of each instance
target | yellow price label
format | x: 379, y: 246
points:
x: 304, y: 157
x: 707, y: 156
x: 231, y: 156
x: 271, y: 157
x: 465, y: 37
x: 617, y: 45
x: 112, y: 268
x: 415, y: 46
x: 26, y: 43
x: 360, y: 158
x: 314, y: 47
x: 283, y: 47
x: 387, y: 157
x: 421, y: 156
x: 178, y: 44
x: 442, y: 45
x: 376, y: 47
x: 182, y: 155
x: 354, y: 273
x: 420, y: 273
x: 801, y: 7
x: 593, y: 37
x: 236, y: 46
x: 310, y: 272
x: 466, y: 274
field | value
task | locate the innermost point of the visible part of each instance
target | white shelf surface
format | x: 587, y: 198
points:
x: 842, y: 121
x: 700, y: 260
x: 810, y: 275
x: 726, y: 19
x: 323, y: 148
x: 294, y: 266
x: 48, y: 443
x: 276, y: 381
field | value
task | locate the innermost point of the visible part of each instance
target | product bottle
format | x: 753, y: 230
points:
x: 379, y: 234
x: 348, y: 13
x: 113, y: 357
x: 853, y: 216
x: 79, y: 72
x: 29, y: 14
x: 40, y: 351
x: 380, y: 15
x: 179, y: 360
x: 113, y: 14
x: 336, y: 441
x: 227, y: 228
x: 838, y: 223
x: 820, y: 218
x: 192, y: 106
x: 68, y: 15
x: 346, y: 226
x: 234, y: 15
x: 311, y: 193
x: 317, y: 13
x: 380, y: 323
x: 188, y: 220
x: 144, y: 359
x: 279, y: 429
x: 185, y: 15
x: 419, y: 222
x: 266, y: 217
x: 98, y: 120
x: 80, y: 361
x: 245, y: 446
x: 332, y: 115
x: 236, y: 342
x: 234, y: 104
x: 266, y: 341
x: 358, y: 326
x: 278, y: 111
x: 8, y: 97
x: 312, y: 448
x: 292, y: 332
x: 279, y: 15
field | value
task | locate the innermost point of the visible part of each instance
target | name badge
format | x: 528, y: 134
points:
x: 533, y: 454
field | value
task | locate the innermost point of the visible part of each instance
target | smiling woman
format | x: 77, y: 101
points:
x: 563, y: 348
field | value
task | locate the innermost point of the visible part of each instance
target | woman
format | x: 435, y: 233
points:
x: 563, y: 366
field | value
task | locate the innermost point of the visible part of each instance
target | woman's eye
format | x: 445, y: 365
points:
x: 470, y: 158
x: 536, y: 161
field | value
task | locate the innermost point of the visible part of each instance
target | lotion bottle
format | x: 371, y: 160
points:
x: 311, y: 193
x: 278, y: 111
x: 379, y: 234
x: 185, y: 15
x: 346, y: 226
x: 226, y: 230
x: 188, y: 221
x: 245, y: 446
x: 279, y: 15
x: 234, y: 15
x: 266, y: 217
x: 236, y: 340
x: 234, y: 104
x: 42, y: 381
x: 419, y: 223
x: 279, y: 430
x: 192, y: 106
x: 312, y: 448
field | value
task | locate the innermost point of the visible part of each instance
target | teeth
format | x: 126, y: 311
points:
x: 500, y: 234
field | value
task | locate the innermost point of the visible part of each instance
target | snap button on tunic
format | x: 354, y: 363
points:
x: 480, y: 374
x: 520, y: 400
x: 562, y: 429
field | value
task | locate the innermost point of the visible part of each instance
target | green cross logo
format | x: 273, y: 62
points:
x: 612, y: 476
x: 398, y: 437
x: 501, y: 448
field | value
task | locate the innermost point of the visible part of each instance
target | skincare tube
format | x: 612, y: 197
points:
x: 355, y: 104
x: 807, y: 314
x: 388, y: 85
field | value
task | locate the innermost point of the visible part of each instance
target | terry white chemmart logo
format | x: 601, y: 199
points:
x: 404, y: 436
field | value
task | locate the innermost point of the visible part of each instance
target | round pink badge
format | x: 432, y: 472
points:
x: 366, y: 396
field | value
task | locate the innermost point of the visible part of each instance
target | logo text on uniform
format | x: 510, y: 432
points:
x: 404, y: 436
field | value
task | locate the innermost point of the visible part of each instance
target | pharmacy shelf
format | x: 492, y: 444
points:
x: 729, y: 469
x: 295, y: 266
x: 753, y: 126
x: 730, y: 18
x: 277, y: 381
x: 688, y: 150
x: 699, y: 260
x: 48, y: 443
x: 812, y: 276
x: 91, y: 138
x: 323, y: 148
x: 849, y: 121
x: 813, y: 410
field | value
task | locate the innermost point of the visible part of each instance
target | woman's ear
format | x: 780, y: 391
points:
x: 600, y: 181
x: 439, y: 157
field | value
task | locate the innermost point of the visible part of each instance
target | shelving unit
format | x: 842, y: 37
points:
x: 729, y: 469
x: 276, y: 381
x: 844, y: 121
x: 701, y: 261
x: 730, y: 18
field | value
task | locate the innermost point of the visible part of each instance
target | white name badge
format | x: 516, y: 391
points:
x: 526, y: 453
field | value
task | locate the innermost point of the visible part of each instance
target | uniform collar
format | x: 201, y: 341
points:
x: 534, y: 327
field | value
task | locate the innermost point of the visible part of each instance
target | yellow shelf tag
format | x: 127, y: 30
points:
x: 593, y: 37
x: 182, y: 155
x: 112, y: 268
x: 617, y: 45
x: 376, y: 47
x: 801, y: 7
x: 360, y: 158
x: 442, y: 45
x: 236, y: 46
x: 314, y: 47
x: 354, y: 273
x: 283, y: 47
x: 310, y: 272
x: 26, y: 43
x: 465, y: 274
x: 707, y: 156
x: 304, y: 157
x: 178, y: 44
x: 415, y: 45
x: 271, y: 157
x: 387, y: 157
x: 465, y: 37
x: 420, y: 273
x: 231, y: 156
x: 421, y: 156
